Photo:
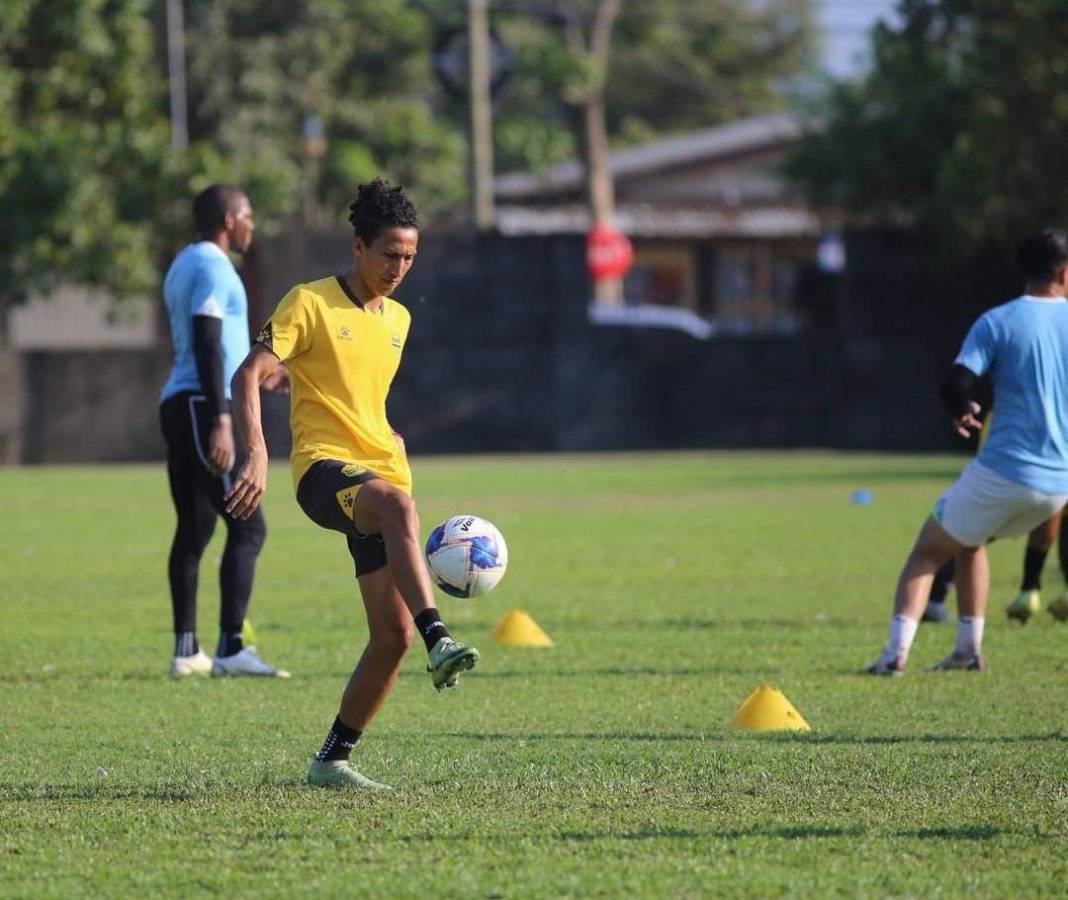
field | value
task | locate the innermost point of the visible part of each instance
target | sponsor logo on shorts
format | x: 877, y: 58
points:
x: 347, y: 499
x: 352, y: 470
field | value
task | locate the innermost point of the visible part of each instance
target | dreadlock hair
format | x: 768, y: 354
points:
x: 379, y: 206
x: 210, y: 207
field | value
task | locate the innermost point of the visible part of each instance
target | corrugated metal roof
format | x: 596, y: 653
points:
x: 656, y: 222
x: 722, y: 141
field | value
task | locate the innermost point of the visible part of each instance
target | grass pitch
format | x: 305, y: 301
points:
x: 673, y: 585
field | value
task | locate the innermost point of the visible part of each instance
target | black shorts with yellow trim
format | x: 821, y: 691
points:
x: 327, y: 494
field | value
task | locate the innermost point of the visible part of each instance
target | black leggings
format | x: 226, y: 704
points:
x: 198, y: 501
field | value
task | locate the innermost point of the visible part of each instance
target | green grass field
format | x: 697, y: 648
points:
x: 673, y: 585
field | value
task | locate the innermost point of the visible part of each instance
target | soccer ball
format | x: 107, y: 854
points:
x: 467, y: 556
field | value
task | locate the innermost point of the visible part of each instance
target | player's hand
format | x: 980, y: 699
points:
x: 249, y: 488
x: 277, y: 382
x: 968, y: 422
x: 221, y: 446
x: 400, y: 443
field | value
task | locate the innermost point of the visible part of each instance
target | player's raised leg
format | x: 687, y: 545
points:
x: 381, y: 508
x: 391, y: 634
x: 933, y: 548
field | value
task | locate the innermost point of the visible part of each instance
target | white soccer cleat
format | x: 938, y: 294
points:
x: 184, y: 666
x: 245, y: 663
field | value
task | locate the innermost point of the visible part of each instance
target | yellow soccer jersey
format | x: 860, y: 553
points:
x: 341, y: 360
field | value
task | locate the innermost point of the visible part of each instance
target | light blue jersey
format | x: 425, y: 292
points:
x: 1023, y: 344
x: 203, y: 282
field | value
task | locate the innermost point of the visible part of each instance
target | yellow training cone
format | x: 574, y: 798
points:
x: 767, y: 709
x: 517, y: 629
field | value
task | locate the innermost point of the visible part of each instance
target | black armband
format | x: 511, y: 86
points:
x: 207, y: 351
x: 956, y: 390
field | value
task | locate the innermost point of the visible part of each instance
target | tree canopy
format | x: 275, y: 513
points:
x: 91, y: 190
x: 957, y: 128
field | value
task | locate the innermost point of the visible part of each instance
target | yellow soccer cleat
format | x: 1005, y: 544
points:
x: 1023, y: 606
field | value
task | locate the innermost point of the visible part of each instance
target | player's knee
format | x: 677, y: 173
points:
x: 398, y: 510
x: 193, y: 535
x: 250, y: 533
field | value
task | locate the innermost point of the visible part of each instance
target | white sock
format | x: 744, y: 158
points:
x: 969, y: 635
x: 902, y: 633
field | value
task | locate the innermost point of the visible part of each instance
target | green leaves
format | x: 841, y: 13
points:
x: 957, y: 127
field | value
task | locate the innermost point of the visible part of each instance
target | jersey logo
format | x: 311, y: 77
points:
x: 352, y: 470
x: 344, y: 334
x: 396, y: 341
x: 266, y: 336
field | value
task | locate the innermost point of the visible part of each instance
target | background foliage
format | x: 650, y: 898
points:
x: 90, y: 189
x: 958, y: 128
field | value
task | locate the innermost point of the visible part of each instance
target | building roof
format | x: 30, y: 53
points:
x: 722, y: 142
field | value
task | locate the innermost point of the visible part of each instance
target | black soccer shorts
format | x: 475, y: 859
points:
x: 327, y: 493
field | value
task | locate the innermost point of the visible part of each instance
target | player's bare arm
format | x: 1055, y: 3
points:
x: 251, y: 482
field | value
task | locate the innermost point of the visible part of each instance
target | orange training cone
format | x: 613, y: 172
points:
x: 767, y: 709
x: 517, y: 629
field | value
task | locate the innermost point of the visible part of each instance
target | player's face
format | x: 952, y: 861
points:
x: 382, y: 264
x: 240, y: 226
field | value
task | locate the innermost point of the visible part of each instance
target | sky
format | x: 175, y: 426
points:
x: 844, y: 25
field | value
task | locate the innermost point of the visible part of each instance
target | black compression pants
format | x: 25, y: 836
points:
x: 198, y: 501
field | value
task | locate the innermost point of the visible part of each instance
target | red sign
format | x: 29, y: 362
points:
x: 608, y: 253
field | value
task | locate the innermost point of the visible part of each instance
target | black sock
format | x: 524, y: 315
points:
x: 431, y: 627
x: 1034, y: 560
x: 185, y: 643
x: 339, y: 741
x: 230, y: 642
x: 942, y: 580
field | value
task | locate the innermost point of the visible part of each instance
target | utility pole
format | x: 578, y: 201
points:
x: 176, y: 74
x: 479, y: 102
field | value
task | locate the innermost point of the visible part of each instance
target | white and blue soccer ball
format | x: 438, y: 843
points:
x: 467, y: 556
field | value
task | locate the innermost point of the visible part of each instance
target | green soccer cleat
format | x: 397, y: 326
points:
x: 1059, y: 608
x: 447, y: 660
x: 1023, y: 606
x: 965, y: 663
x: 340, y: 773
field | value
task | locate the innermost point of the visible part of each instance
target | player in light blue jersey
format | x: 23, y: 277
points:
x: 208, y: 312
x: 1020, y: 476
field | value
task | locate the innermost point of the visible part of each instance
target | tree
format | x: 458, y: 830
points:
x: 82, y: 146
x: 674, y: 66
x: 957, y: 128
x: 259, y: 70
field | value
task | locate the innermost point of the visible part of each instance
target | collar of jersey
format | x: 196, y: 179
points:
x: 1034, y: 299
x: 348, y: 293
x: 216, y: 248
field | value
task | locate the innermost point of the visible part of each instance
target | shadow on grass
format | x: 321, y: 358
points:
x: 610, y: 671
x: 24, y: 792
x: 769, y: 737
x: 964, y: 833
x: 786, y: 833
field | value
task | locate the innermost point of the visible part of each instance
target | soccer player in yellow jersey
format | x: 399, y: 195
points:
x: 341, y: 339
